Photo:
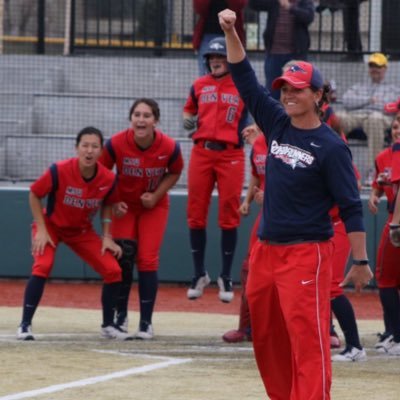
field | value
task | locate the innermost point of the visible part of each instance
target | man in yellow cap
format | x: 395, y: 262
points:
x: 364, y: 105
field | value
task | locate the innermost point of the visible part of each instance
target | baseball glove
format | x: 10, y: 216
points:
x: 395, y: 235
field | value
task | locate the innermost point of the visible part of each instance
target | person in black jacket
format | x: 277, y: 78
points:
x: 286, y: 36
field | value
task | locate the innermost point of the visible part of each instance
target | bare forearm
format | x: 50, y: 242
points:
x: 167, y: 183
x: 358, y: 245
x: 36, y: 209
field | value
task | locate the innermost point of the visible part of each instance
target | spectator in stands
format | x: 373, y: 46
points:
x: 75, y: 189
x: 351, y: 24
x: 387, y: 272
x: 207, y: 26
x: 286, y: 36
x: 364, y: 105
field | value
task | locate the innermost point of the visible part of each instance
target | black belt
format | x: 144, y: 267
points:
x: 216, y: 146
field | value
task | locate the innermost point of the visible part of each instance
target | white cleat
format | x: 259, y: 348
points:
x: 225, y: 293
x: 197, y: 287
x: 115, y: 332
x: 147, y: 334
x: 24, y: 332
x: 384, y: 344
x: 350, y: 354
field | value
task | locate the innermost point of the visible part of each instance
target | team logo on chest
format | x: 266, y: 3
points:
x: 291, y: 155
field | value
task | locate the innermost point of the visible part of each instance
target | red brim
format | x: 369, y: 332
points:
x: 392, y: 108
x: 292, y: 81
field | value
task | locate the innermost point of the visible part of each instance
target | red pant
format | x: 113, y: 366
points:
x: 226, y: 169
x: 147, y: 227
x: 387, y: 272
x: 340, y: 257
x: 86, y: 244
x: 288, y: 293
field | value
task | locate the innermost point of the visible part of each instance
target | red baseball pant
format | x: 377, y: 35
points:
x: 147, y: 227
x: 288, y: 293
x: 86, y: 244
x: 207, y: 168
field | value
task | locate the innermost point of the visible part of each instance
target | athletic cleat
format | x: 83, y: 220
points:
x: 122, y: 322
x: 197, y: 287
x: 145, y: 332
x: 24, y: 332
x: 384, y: 342
x: 225, y: 289
x: 350, y: 354
x: 115, y: 332
x: 335, y: 342
x: 393, y: 349
x: 236, y: 336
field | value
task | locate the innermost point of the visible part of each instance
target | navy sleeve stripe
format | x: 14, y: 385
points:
x: 51, y: 198
x: 193, y: 96
x: 110, y: 149
x: 114, y: 185
x: 396, y: 146
x: 175, y: 154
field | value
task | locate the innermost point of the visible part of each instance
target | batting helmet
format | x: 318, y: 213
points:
x: 215, y: 46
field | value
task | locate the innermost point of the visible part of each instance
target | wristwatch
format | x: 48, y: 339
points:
x: 360, y: 262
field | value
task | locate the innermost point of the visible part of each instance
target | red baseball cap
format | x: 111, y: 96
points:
x: 300, y: 75
x: 392, y: 108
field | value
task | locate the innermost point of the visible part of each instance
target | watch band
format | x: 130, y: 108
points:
x: 360, y: 262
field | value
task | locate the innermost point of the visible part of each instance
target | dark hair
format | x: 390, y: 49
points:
x: 89, y: 130
x: 151, y: 103
x: 324, y: 99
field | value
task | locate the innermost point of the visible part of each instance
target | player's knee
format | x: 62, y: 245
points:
x: 42, y: 270
x: 127, y: 260
x: 112, y: 274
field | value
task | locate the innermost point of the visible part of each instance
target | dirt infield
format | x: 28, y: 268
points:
x: 170, y: 298
x: 187, y: 360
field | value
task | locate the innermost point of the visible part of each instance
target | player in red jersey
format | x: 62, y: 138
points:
x: 387, y: 273
x: 75, y: 188
x: 148, y: 164
x: 255, y: 191
x: 217, y: 158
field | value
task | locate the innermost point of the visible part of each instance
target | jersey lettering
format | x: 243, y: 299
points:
x: 230, y: 114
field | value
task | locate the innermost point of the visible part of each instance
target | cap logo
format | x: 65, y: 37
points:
x: 217, y: 46
x: 296, y: 68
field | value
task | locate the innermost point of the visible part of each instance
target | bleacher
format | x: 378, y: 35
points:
x: 56, y: 96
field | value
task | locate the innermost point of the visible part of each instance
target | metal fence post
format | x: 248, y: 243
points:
x: 41, y: 28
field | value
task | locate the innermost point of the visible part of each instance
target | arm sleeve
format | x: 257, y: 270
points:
x: 43, y: 186
x: 342, y: 184
x: 304, y: 13
x: 356, y: 97
x: 113, y: 194
x: 107, y: 157
x: 175, y: 165
x: 265, y: 110
x: 191, y: 105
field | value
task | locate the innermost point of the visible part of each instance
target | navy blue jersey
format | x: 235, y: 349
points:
x: 309, y: 170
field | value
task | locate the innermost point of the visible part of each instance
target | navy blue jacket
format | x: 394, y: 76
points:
x: 303, y: 12
x: 307, y: 171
